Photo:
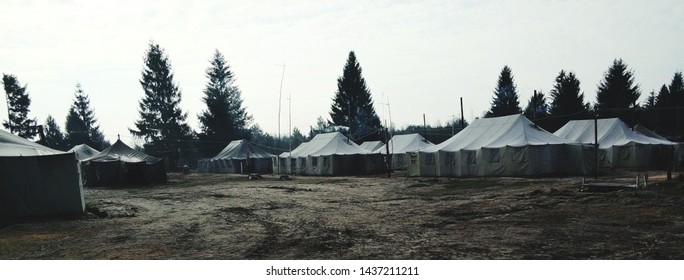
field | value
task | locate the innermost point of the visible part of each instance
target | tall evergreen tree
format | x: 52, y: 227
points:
x: 567, y: 103
x: 54, y: 138
x: 352, y: 105
x: 617, y: 94
x: 505, y: 101
x: 225, y: 118
x: 82, y: 125
x: 76, y: 130
x: 18, y: 102
x: 676, y: 90
x: 663, y: 111
x: 537, y: 109
x: 162, y: 124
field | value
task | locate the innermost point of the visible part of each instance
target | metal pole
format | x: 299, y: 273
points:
x: 388, y: 157
x: 9, y: 116
x: 534, y: 112
x: 280, y: 96
x: 462, y: 120
x: 596, y: 144
x: 424, y: 126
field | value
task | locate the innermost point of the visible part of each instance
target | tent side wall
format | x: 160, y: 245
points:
x: 40, y: 186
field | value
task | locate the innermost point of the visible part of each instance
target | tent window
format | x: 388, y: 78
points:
x: 413, y: 158
x: 303, y: 163
x: 293, y: 162
x: 450, y: 159
x: 430, y: 159
x: 314, y: 162
x: 229, y: 163
x: 494, y: 156
x: 283, y: 161
x: 326, y: 161
x: 471, y: 158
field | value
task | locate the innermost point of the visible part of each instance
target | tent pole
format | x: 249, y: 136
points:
x: 388, y: 158
x: 462, y: 121
x: 596, y: 144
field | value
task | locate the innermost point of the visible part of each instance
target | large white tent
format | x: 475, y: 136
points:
x: 36, y: 180
x: 620, y: 146
x: 400, y: 145
x: 503, y: 146
x: 330, y: 154
x: 239, y: 156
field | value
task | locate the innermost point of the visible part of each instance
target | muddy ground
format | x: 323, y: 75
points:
x: 211, y: 216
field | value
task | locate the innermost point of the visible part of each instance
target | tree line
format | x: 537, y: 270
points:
x: 162, y: 124
x: 617, y: 96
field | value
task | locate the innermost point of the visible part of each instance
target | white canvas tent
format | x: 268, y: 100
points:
x: 371, y: 146
x: 503, y: 146
x: 620, y: 146
x: 119, y: 164
x: 330, y: 154
x: 239, y: 156
x: 83, y: 152
x: 36, y: 180
x: 400, y: 145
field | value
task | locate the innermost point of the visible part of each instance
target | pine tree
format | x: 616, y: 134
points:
x: 82, y: 125
x: 18, y: 102
x: 567, y: 102
x: 676, y: 90
x: 505, y: 101
x: 352, y: 105
x: 54, y: 138
x: 537, y: 109
x: 162, y: 124
x: 76, y: 129
x: 225, y: 119
x: 664, y: 113
x: 617, y: 95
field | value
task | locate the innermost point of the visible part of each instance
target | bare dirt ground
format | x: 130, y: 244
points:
x: 211, y: 216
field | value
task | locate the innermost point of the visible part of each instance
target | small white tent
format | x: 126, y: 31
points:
x: 502, y: 146
x: 400, y: 145
x: 371, y: 146
x: 620, y: 146
x: 83, y: 151
x: 36, y: 180
x: 120, y: 164
x: 331, y: 154
x: 239, y: 156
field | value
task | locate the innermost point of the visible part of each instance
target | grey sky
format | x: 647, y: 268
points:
x: 422, y: 55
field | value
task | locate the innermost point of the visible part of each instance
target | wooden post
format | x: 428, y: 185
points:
x: 462, y: 121
x: 596, y: 144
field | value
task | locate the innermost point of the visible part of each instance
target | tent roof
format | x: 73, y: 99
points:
x: 406, y: 143
x: 371, y: 145
x: 611, y: 132
x: 83, y: 151
x: 514, y: 130
x: 325, y: 144
x: 120, y: 151
x: 645, y: 131
x: 240, y: 149
x: 12, y: 145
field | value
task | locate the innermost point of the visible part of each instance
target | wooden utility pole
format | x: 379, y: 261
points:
x: 462, y: 120
x: 596, y: 144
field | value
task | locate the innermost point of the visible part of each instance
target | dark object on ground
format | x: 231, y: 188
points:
x: 284, y: 178
x: 255, y: 176
x: 605, y: 187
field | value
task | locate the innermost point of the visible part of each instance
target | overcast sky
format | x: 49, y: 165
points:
x: 421, y: 56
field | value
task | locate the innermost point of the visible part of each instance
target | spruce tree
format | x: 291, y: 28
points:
x: 617, y: 94
x: 82, y: 125
x: 162, y: 124
x: 567, y: 103
x: 76, y: 129
x: 225, y: 119
x: 505, y: 101
x: 54, y: 138
x: 18, y: 102
x: 352, y: 105
x: 537, y: 109
x: 676, y: 90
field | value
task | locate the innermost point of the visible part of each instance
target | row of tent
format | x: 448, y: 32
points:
x: 39, y: 181
x: 503, y: 146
